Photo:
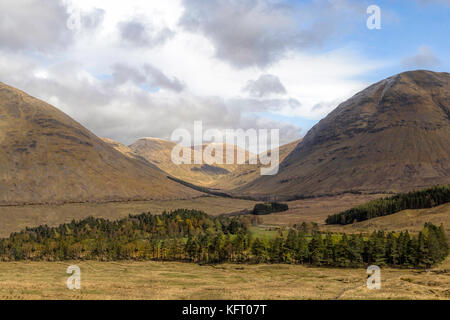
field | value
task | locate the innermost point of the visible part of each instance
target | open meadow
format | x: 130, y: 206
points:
x: 179, y: 280
x: 17, y: 218
x: 411, y: 220
x: 175, y: 280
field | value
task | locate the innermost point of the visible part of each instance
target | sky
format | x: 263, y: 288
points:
x: 143, y: 68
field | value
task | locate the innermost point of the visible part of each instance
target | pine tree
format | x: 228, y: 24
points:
x: 329, y: 250
x: 276, y: 249
x: 392, y: 253
x: 356, y: 245
x: 316, y: 249
x: 423, y: 253
x: 302, y: 253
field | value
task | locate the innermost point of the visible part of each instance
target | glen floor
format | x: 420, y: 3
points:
x: 174, y: 280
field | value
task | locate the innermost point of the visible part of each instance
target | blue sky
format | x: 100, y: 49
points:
x: 409, y: 25
x: 406, y: 26
x: 140, y: 68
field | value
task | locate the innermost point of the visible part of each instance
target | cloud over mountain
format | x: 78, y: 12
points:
x: 424, y: 58
x: 141, y: 34
x: 144, y: 68
x: 146, y: 75
x: 265, y: 85
x: 34, y: 24
x: 260, y: 32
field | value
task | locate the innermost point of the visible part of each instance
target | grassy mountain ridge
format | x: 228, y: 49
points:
x: 215, y: 176
x: 47, y: 157
x: 391, y: 137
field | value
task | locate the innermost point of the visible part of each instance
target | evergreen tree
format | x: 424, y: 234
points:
x: 316, y: 249
x: 302, y: 253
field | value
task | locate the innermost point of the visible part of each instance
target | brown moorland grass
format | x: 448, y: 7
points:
x: 411, y: 220
x: 317, y: 209
x: 175, y: 280
x: 16, y: 218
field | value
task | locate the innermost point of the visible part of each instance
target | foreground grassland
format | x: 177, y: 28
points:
x: 173, y: 280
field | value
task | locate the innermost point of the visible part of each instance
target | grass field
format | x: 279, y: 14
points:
x: 411, y: 220
x: 16, y: 218
x: 317, y: 209
x: 173, y: 280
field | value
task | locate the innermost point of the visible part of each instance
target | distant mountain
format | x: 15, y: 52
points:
x: 126, y: 151
x: 158, y: 152
x: 217, y: 176
x: 47, y: 157
x: 247, y: 173
x: 393, y: 136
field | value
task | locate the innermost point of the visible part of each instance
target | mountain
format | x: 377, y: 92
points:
x: 247, y: 173
x: 158, y: 152
x: 125, y: 150
x: 393, y: 136
x: 47, y: 157
x: 217, y: 176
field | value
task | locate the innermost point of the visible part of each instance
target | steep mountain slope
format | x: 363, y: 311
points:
x: 393, y: 136
x: 125, y: 150
x: 247, y: 173
x: 47, y: 157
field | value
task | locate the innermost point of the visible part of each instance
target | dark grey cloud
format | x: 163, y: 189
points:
x: 122, y: 73
x: 146, y: 75
x: 160, y: 79
x: 33, y: 24
x: 264, y: 105
x: 41, y: 25
x: 141, y: 34
x: 93, y: 19
x: 259, y: 32
x: 424, y: 58
x: 265, y: 85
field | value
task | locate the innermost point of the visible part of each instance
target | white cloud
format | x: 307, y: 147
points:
x: 134, y: 90
x: 259, y: 32
x: 33, y: 24
x: 265, y: 85
x: 424, y: 58
x: 139, y: 33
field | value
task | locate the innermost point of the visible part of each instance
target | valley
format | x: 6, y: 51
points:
x: 233, y: 150
x: 67, y: 173
x: 16, y: 218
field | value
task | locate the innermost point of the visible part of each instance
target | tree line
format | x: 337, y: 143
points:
x: 269, y: 207
x: 426, y: 198
x: 191, y: 235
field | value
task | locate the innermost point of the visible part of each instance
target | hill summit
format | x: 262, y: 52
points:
x: 394, y: 136
x: 47, y: 157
